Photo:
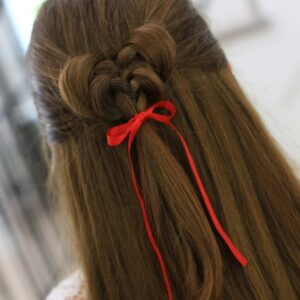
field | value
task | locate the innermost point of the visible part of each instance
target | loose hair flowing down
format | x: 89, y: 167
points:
x: 93, y: 64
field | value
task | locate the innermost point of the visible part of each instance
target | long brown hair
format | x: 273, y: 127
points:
x: 93, y: 65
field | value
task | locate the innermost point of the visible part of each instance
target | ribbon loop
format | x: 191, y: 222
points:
x: 117, y: 134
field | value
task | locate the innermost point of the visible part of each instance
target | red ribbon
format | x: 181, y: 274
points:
x: 117, y: 134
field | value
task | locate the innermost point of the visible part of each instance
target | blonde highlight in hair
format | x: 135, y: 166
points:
x: 96, y: 63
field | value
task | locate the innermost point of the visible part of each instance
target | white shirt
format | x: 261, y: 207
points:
x: 70, y: 288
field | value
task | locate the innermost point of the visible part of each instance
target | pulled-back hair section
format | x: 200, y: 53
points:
x: 142, y: 66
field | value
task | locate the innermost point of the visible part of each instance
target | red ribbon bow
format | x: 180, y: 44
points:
x: 117, y: 134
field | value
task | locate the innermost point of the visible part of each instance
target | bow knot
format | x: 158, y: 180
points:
x: 142, y: 116
x: 117, y: 134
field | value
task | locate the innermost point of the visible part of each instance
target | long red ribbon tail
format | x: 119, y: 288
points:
x: 243, y: 261
x: 147, y: 222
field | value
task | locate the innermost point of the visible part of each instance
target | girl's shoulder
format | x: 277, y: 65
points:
x: 71, y: 287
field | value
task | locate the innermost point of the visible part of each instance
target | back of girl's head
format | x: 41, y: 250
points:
x: 96, y: 63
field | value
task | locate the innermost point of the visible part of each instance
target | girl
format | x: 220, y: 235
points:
x: 200, y: 202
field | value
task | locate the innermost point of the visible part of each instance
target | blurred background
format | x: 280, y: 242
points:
x: 261, y: 40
